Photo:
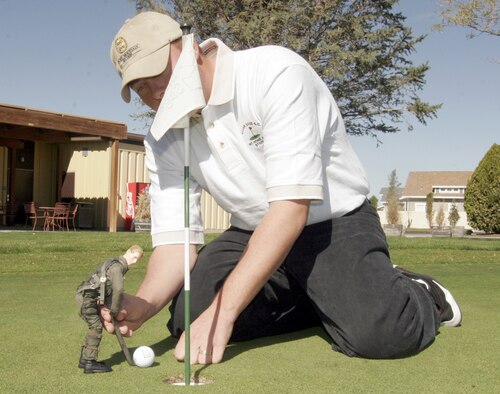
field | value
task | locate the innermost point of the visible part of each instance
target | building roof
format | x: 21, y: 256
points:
x: 421, y: 183
x: 22, y: 123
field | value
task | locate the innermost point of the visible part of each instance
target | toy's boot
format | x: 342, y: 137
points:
x: 93, y: 366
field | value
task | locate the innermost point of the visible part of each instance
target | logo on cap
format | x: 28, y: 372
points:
x: 120, y: 45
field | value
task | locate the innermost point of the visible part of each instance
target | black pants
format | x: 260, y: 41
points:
x: 339, y: 275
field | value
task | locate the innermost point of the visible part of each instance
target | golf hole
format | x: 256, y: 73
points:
x: 178, y: 380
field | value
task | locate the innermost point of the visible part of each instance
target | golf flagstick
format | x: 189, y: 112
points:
x: 123, y: 345
x: 187, y: 241
x: 182, y: 99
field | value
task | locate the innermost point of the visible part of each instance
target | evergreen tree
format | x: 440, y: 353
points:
x: 361, y: 49
x: 482, y: 196
x: 374, y: 201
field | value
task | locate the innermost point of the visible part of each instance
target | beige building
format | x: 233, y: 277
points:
x: 48, y: 157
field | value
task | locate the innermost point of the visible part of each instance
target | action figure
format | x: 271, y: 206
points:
x: 104, y: 286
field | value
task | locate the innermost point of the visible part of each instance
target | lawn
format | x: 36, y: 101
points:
x: 41, y: 331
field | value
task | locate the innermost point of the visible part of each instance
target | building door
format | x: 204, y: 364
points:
x: 19, y: 182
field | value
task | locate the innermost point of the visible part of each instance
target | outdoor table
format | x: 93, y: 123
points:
x: 56, y: 216
x: 47, y: 212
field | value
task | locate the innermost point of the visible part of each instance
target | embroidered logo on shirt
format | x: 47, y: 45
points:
x: 252, y: 133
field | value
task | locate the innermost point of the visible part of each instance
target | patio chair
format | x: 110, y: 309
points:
x: 72, y: 214
x: 33, y: 214
x: 59, y: 217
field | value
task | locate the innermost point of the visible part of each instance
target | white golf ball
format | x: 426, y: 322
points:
x: 144, y: 356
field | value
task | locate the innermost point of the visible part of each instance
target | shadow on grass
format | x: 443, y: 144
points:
x: 159, y: 348
x: 234, y: 349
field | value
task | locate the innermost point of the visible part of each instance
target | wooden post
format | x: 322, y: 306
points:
x: 113, y: 194
x: 11, y: 196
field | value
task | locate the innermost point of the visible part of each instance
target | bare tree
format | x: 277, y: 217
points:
x: 481, y: 16
x: 440, y: 217
x: 392, y: 212
x: 429, y: 212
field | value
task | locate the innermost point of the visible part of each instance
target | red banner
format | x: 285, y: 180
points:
x: 133, y: 191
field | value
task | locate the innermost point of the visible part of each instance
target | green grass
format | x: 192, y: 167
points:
x: 41, y: 332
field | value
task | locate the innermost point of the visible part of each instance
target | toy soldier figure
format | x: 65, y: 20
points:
x: 103, y: 287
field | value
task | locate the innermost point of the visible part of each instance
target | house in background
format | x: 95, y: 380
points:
x: 448, y: 188
x: 382, y: 199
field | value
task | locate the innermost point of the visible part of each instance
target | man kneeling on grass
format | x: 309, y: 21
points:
x: 305, y: 247
x: 104, y: 286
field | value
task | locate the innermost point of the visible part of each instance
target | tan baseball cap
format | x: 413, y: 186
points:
x: 141, y: 47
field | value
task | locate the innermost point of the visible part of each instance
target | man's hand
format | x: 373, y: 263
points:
x: 210, y: 333
x: 164, y: 278
x: 131, y: 316
x: 266, y: 250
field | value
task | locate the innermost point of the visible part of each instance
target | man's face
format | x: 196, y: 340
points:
x: 132, y: 258
x: 152, y: 89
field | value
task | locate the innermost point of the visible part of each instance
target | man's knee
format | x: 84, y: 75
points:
x: 383, y: 343
x: 384, y: 339
x: 176, y: 322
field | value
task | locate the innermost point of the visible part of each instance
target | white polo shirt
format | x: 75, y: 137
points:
x: 270, y: 131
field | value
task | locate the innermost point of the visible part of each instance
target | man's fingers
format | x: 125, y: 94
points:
x: 209, y: 355
x: 179, y: 351
x: 199, y: 354
x: 203, y: 357
x: 218, y: 354
x: 105, y: 314
x: 109, y: 326
x: 124, y: 330
x: 108, y: 322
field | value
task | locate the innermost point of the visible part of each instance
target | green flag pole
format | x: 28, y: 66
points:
x: 187, y: 275
x: 187, y: 281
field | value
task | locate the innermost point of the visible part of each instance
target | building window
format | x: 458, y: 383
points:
x: 448, y: 189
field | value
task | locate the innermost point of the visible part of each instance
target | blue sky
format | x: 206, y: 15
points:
x: 55, y: 57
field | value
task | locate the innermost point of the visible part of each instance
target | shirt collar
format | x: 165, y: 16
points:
x: 223, y: 83
x: 124, y: 264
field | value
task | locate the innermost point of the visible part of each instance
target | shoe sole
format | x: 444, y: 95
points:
x: 94, y: 371
x: 457, y: 313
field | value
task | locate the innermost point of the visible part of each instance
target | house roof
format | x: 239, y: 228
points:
x: 22, y: 123
x: 421, y: 183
